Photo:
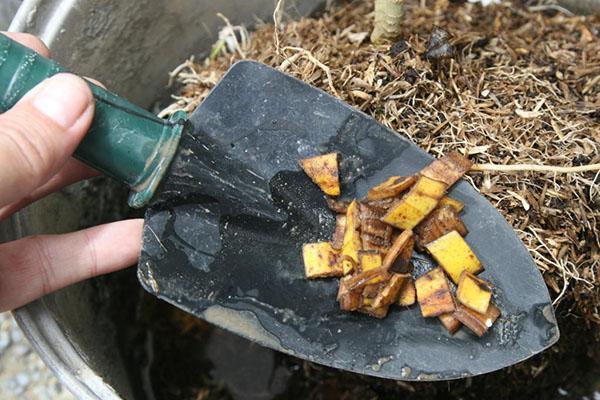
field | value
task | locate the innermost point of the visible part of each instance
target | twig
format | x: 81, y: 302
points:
x: 534, y: 167
x: 276, y: 22
x: 555, y: 7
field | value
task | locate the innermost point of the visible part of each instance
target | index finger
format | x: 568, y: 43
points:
x: 31, y: 41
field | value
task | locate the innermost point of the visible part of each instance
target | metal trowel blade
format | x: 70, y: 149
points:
x: 222, y: 239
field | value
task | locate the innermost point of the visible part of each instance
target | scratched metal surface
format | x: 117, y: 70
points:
x: 223, y: 238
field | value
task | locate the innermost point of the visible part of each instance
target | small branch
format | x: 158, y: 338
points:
x: 276, y: 22
x: 534, y: 167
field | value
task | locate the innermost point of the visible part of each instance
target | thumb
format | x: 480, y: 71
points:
x: 39, y: 134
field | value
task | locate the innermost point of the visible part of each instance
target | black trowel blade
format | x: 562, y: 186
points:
x: 223, y: 238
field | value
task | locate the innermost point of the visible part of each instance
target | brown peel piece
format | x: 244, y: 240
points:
x: 340, y: 229
x: 323, y: 170
x: 362, y: 279
x: 382, y: 205
x: 337, y: 206
x: 375, y: 240
x: 403, y: 264
x: 349, y: 299
x: 392, y: 187
x: 372, y: 246
x: 403, y: 240
x: 370, y: 292
x: 450, y: 322
x: 433, y: 293
x: 448, y: 169
x: 390, y: 292
x: 442, y: 220
x: 370, y: 221
x: 376, y: 228
x: 478, y: 323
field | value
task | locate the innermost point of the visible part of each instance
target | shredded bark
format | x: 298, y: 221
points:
x: 522, y: 87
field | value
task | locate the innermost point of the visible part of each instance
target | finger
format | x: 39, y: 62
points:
x: 73, y: 171
x: 39, y: 134
x: 37, y: 265
x: 27, y: 40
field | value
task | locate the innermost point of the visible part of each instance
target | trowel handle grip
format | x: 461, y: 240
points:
x: 124, y: 141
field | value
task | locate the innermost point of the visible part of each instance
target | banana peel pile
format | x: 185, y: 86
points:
x: 374, y: 240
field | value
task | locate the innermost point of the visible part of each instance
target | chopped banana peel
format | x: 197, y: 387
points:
x: 375, y: 238
x: 449, y: 201
x: 363, y: 279
x: 450, y: 322
x: 408, y: 294
x: 454, y: 255
x: 352, y: 241
x: 374, y: 312
x: 337, y: 205
x: 477, y: 323
x: 442, y: 220
x: 433, y: 293
x: 367, y: 304
x: 340, y: 230
x: 323, y: 170
x: 422, y: 198
x: 473, y: 292
x: 375, y: 234
x: 403, y: 263
x: 448, y: 169
x: 391, y: 291
x: 392, y: 187
x: 349, y: 299
x: 400, y: 243
x: 369, y: 260
x: 382, y: 205
x: 320, y: 260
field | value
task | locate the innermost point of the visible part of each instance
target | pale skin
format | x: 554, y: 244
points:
x: 37, y: 138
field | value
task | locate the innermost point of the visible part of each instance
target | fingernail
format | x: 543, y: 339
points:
x: 63, y: 98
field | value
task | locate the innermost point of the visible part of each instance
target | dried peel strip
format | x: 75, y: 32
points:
x: 391, y: 187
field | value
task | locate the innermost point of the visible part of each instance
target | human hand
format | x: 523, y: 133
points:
x: 37, y: 137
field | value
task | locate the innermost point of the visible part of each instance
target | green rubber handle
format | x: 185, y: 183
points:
x: 125, y: 142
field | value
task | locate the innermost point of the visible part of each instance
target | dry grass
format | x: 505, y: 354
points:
x: 523, y: 87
